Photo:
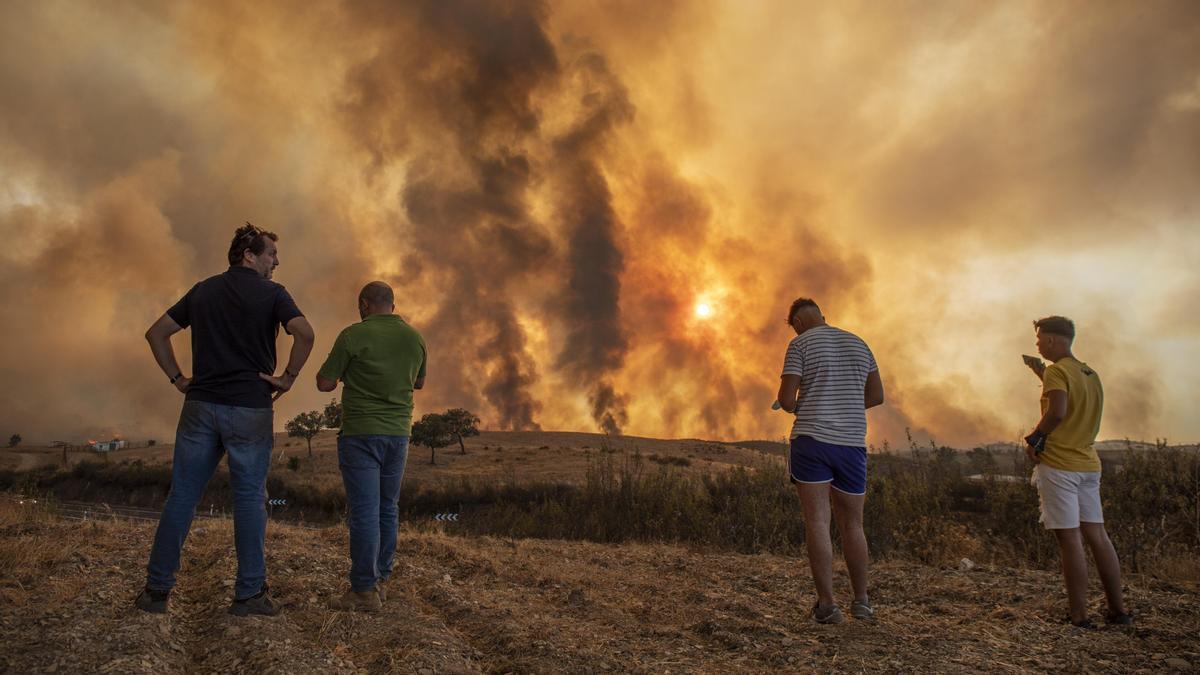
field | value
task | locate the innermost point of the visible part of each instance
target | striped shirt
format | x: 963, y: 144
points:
x: 833, y: 365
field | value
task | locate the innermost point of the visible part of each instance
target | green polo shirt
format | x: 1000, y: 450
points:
x: 377, y: 360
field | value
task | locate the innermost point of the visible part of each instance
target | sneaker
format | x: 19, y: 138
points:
x: 861, y: 609
x: 830, y: 614
x: 367, y: 601
x: 262, y: 603
x: 150, y: 600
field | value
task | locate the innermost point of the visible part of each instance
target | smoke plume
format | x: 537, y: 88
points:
x: 598, y: 214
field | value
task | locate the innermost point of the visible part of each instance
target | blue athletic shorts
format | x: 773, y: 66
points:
x: 813, y: 461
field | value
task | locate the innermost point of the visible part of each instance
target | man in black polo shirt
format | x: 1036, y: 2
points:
x: 235, y: 317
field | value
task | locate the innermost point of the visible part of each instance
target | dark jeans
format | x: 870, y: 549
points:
x: 206, y: 431
x: 372, y: 468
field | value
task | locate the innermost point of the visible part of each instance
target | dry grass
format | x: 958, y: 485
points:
x: 542, y: 456
x: 597, y: 488
x: 494, y: 605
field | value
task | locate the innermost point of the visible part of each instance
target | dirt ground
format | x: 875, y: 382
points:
x: 491, y: 605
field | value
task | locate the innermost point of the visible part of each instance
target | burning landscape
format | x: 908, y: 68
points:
x: 597, y: 214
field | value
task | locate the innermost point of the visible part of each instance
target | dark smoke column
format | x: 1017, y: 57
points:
x: 448, y: 99
x: 595, y: 343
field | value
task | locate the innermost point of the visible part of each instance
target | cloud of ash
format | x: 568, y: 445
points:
x: 553, y: 189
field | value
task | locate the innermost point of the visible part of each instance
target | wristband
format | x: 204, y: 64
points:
x: 288, y: 372
x: 1037, y: 441
x: 177, y: 376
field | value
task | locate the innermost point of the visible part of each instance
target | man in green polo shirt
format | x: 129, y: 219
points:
x: 380, y: 361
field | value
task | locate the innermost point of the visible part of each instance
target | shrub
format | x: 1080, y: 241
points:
x: 920, y: 507
x: 1152, y: 505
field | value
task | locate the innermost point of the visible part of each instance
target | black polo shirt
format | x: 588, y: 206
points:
x: 235, y: 317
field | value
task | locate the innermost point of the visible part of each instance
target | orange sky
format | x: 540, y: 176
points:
x: 552, y: 188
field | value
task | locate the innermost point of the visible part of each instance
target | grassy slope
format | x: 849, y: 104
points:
x: 499, y: 455
x: 482, y: 604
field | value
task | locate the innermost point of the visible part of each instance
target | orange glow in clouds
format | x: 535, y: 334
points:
x: 598, y: 215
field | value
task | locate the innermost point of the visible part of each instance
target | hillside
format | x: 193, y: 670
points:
x: 525, y: 455
x: 494, y: 605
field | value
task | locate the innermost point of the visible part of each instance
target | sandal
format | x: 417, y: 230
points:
x: 1085, y: 624
x: 1118, y: 619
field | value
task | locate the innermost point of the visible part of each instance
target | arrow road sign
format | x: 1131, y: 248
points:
x: 277, y: 502
x: 453, y: 517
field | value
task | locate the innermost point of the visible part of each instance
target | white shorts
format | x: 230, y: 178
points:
x: 1067, y: 497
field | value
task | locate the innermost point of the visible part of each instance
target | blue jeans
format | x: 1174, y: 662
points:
x: 206, y: 431
x: 372, y: 468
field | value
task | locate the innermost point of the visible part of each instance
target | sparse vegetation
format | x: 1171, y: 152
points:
x: 305, y: 425
x: 333, y: 414
x: 461, y: 423
x: 930, y: 504
x: 433, y: 432
x: 14, y: 440
x: 669, y: 460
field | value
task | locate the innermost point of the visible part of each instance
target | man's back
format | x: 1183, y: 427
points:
x: 1069, y: 447
x: 833, y: 365
x: 235, y: 317
x: 378, y: 360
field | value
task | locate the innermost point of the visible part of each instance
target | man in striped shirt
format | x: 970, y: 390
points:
x: 829, y: 380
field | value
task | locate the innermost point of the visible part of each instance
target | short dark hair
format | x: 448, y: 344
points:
x: 249, y: 237
x: 1056, y: 325
x: 377, y: 294
x: 799, y: 304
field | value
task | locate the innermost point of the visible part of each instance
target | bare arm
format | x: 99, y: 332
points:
x: 1055, y: 413
x: 789, y: 390
x: 873, y: 391
x: 302, y: 344
x: 324, y: 384
x: 159, y: 337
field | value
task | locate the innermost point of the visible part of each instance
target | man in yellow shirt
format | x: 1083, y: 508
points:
x: 1067, y: 469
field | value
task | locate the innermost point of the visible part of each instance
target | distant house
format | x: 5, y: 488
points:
x: 106, y: 446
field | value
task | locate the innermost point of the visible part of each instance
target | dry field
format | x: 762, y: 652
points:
x: 559, y: 457
x: 493, y: 605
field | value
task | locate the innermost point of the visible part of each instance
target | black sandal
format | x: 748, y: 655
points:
x: 1118, y: 619
x: 1086, y: 624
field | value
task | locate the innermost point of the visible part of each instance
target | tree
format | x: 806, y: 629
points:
x: 305, y: 425
x: 14, y: 440
x: 333, y: 414
x: 433, y: 432
x: 461, y: 423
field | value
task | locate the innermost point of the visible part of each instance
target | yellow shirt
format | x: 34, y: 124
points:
x: 1069, y: 446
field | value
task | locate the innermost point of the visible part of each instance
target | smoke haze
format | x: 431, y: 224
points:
x: 552, y: 189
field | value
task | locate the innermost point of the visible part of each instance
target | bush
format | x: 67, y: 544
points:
x: 1152, y: 505
x: 676, y: 461
x: 920, y: 507
x: 293, y: 463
